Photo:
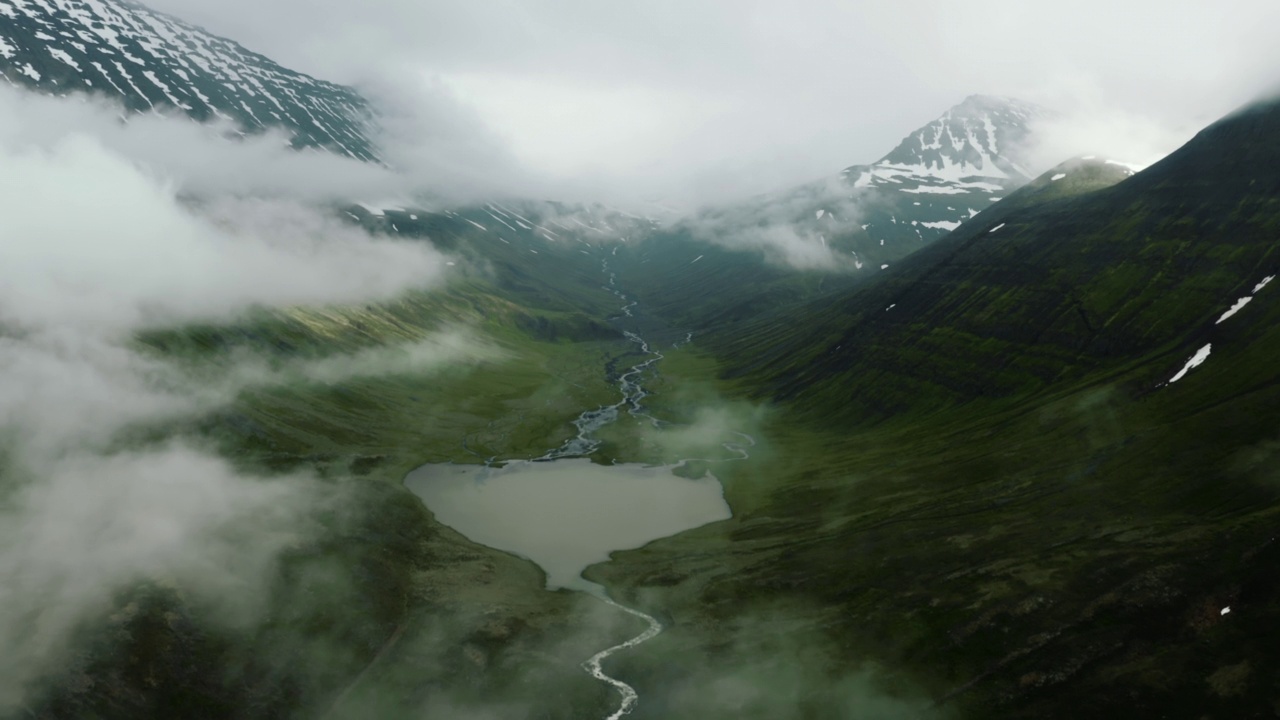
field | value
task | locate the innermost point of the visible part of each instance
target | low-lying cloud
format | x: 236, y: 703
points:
x: 85, y: 524
x: 744, y: 98
x: 237, y: 371
x: 98, y: 245
x: 1090, y: 127
x: 436, y: 151
x: 784, y: 227
x: 192, y: 157
x: 93, y: 240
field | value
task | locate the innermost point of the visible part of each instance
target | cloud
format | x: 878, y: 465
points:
x: 437, y: 150
x: 790, y: 684
x: 1087, y: 125
x: 440, y: 147
x: 192, y: 157
x: 99, y: 245
x: 234, y: 372
x: 784, y: 245
x: 743, y: 98
x: 713, y: 424
x: 95, y: 240
x: 783, y: 226
x: 769, y: 659
x: 86, y: 525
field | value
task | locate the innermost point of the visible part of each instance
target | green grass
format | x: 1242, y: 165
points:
x: 385, y: 611
x: 979, y: 504
x: 1048, y: 558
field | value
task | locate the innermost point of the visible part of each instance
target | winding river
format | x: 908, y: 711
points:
x: 585, y: 510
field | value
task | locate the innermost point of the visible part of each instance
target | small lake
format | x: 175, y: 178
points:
x: 567, y: 514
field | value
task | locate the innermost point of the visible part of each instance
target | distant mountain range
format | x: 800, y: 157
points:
x: 152, y: 62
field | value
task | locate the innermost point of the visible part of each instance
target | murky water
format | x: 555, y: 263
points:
x: 567, y: 514
x: 564, y: 512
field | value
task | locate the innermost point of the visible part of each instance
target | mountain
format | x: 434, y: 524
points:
x: 152, y: 62
x: 730, y: 262
x: 1042, y: 289
x: 542, y: 255
x: 1022, y: 469
x: 1029, y: 469
x: 981, y: 139
x: 351, y: 615
x: 939, y: 176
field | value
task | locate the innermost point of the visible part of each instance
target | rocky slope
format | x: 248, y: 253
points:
x: 152, y: 62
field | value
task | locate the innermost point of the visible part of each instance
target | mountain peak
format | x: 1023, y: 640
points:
x: 978, y: 139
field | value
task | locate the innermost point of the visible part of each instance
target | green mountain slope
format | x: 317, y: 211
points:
x: 995, y: 503
x: 1041, y: 290
x: 1060, y: 558
x: 730, y: 262
x: 385, y: 612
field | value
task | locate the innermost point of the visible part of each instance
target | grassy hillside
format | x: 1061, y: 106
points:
x: 1061, y: 557
x: 972, y: 493
x: 383, y: 612
x: 978, y: 494
x: 1038, y: 291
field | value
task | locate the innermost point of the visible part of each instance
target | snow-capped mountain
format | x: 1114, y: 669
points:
x: 154, y: 62
x: 939, y: 176
x: 974, y: 145
x: 736, y: 261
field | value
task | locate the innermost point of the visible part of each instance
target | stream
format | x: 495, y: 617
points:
x: 628, y: 383
x: 585, y: 510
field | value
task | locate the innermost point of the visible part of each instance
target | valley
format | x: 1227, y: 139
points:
x: 300, y: 419
x: 1004, y: 550
x: 564, y: 512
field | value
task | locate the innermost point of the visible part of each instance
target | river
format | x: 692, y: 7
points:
x: 564, y: 512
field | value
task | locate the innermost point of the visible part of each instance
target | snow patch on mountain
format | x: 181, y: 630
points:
x: 1196, y: 361
x: 151, y: 61
x: 965, y: 144
x: 1235, y: 308
x: 937, y: 178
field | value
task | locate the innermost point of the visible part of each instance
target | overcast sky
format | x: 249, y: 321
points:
x: 714, y: 97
